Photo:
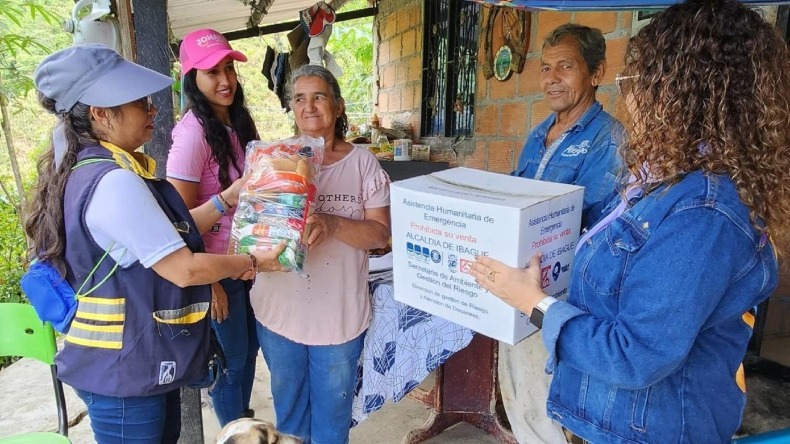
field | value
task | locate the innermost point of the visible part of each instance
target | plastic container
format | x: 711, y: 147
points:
x: 402, y: 149
x: 421, y: 153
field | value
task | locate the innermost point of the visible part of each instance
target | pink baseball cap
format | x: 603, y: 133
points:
x: 204, y: 48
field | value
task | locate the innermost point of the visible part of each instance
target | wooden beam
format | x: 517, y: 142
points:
x: 123, y: 10
x: 287, y: 26
x: 153, y: 51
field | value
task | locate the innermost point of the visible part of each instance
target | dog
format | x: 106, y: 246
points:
x: 767, y: 396
x: 253, y: 431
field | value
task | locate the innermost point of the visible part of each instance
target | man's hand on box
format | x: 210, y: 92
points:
x: 320, y: 226
x: 520, y: 288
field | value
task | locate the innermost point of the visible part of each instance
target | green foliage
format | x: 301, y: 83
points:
x: 12, y: 254
x: 29, y: 30
x: 21, y: 38
x: 352, y: 46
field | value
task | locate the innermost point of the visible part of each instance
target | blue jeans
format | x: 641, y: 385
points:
x: 134, y: 420
x: 312, y: 386
x: 230, y: 396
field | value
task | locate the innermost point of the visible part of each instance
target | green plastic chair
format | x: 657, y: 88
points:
x: 23, y: 334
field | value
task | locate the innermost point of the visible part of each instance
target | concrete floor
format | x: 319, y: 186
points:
x: 28, y: 404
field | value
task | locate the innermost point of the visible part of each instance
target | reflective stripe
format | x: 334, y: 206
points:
x: 112, y: 328
x: 100, y: 334
x: 100, y: 317
x: 101, y: 309
x: 93, y: 343
x: 103, y: 301
x: 187, y: 315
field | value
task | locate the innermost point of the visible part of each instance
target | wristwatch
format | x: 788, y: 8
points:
x: 536, y: 318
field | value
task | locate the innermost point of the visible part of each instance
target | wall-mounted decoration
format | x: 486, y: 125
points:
x: 508, y: 27
x: 502, y: 61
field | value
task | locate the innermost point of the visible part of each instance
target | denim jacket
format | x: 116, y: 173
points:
x: 587, y: 155
x: 647, y: 347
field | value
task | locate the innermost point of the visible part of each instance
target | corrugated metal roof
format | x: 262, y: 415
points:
x: 230, y: 15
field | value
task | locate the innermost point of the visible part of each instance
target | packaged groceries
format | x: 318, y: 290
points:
x: 276, y: 200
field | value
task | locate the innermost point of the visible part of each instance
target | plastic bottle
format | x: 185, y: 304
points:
x: 375, y: 133
x: 383, y: 143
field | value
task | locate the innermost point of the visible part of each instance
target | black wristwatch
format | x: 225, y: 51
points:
x: 536, y: 318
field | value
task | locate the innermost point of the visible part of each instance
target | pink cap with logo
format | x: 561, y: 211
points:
x: 204, y: 49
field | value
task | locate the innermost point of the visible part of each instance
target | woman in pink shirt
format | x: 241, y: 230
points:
x: 312, y: 329
x: 206, y: 157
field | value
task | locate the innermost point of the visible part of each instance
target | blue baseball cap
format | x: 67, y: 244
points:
x: 96, y: 75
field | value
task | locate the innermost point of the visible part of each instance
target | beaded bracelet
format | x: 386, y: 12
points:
x: 217, y: 204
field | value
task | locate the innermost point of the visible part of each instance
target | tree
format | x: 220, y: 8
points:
x: 13, y: 82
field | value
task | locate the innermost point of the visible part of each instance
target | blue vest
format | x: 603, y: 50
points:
x: 137, y: 334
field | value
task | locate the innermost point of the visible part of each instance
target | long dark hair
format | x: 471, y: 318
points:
x: 216, y: 134
x: 44, y: 223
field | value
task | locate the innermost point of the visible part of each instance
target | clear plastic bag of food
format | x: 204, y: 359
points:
x: 276, y: 200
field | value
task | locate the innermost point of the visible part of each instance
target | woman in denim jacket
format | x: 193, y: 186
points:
x: 648, y: 347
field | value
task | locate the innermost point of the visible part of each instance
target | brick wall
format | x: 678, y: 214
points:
x: 504, y: 111
x: 398, y: 61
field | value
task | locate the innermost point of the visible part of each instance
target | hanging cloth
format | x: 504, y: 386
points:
x: 315, y: 18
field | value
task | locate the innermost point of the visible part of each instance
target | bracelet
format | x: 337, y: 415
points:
x: 253, y: 262
x: 224, y: 201
x: 217, y: 204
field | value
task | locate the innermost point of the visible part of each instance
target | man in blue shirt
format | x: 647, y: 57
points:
x: 577, y: 144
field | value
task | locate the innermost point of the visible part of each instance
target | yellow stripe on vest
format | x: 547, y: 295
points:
x: 113, y: 328
x: 94, y: 343
x: 103, y: 301
x: 99, y: 333
x: 100, y: 317
x: 181, y: 316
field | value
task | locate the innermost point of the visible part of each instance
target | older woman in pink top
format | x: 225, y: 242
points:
x: 311, y: 330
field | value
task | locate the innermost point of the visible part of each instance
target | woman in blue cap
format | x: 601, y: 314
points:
x: 142, y: 331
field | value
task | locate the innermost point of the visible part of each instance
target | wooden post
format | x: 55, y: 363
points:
x: 153, y: 51
x: 148, y: 39
x: 124, y: 11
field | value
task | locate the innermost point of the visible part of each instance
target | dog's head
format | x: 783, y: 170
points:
x: 253, y: 431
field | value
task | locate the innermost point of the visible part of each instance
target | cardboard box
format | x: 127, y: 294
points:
x: 441, y: 221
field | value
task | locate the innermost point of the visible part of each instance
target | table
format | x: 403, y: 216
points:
x: 404, y: 345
